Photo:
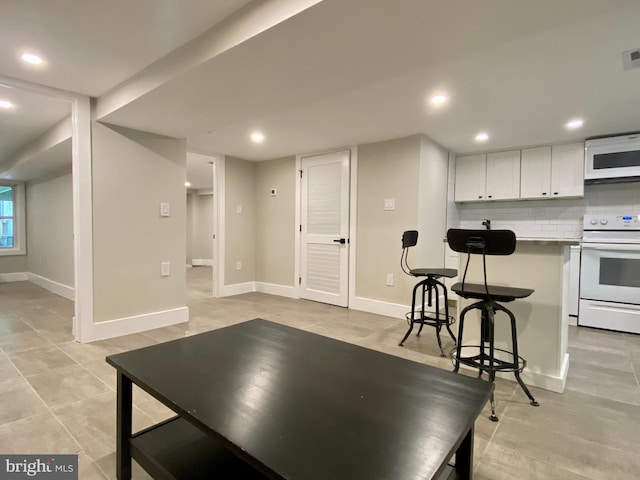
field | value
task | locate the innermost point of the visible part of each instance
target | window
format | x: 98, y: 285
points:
x: 12, y: 228
x: 7, y: 219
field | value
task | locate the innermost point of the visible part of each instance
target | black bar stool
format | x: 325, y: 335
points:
x: 431, y: 287
x: 488, y: 242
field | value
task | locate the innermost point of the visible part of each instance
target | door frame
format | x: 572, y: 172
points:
x: 81, y: 174
x: 353, y: 195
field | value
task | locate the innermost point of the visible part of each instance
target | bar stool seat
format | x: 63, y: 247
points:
x: 490, y: 298
x: 497, y: 293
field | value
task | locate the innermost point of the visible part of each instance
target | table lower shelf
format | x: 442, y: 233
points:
x: 175, y: 449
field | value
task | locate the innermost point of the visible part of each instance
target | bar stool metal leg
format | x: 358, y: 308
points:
x: 413, y: 314
x: 514, y: 341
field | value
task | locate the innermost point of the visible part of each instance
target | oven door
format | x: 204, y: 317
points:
x: 610, y: 273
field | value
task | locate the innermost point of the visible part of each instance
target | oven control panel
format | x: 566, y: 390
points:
x: 608, y: 221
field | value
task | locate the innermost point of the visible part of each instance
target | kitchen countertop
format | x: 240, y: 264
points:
x: 554, y: 240
x: 570, y: 241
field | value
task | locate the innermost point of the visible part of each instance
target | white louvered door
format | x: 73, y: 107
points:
x: 324, y: 266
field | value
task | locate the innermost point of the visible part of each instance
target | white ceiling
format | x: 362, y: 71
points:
x: 344, y: 72
x: 89, y: 46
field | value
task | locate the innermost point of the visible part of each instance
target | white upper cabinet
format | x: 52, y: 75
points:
x: 567, y: 170
x: 503, y: 175
x: 543, y: 172
x: 470, y: 178
x: 535, y: 173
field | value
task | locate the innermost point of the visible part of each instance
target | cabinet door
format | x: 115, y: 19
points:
x: 535, y: 173
x: 470, y: 178
x: 567, y: 170
x: 503, y: 175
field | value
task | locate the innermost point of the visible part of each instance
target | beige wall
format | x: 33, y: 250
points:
x: 275, y: 221
x: 13, y: 264
x: 190, y: 196
x: 50, y: 228
x: 413, y: 171
x: 200, y: 224
x: 385, y: 170
x: 133, y: 172
x: 240, y: 228
x: 432, y: 194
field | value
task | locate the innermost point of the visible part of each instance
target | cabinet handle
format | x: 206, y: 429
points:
x: 479, y: 196
x: 544, y: 193
x: 489, y: 196
x: 555, y: 193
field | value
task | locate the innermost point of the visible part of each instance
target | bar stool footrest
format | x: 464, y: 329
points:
x: 429, y: 320
x: 481, y: 361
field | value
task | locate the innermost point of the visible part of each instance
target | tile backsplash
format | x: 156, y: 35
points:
x: 547, y: 218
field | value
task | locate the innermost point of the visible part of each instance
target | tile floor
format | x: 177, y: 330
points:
x: 57, y: 396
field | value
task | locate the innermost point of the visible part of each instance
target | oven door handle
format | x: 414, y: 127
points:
x: 619, y: 247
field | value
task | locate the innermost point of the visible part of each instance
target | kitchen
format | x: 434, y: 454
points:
x: 588, y: 296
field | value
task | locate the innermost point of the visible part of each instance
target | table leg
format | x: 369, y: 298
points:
x: 464, y: 457
x: 123, y: 428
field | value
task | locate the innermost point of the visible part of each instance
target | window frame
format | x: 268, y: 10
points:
x: 19, y: 220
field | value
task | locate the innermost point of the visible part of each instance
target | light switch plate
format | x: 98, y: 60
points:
x: 165, y: 269
x: 165, y: 209
x: 389, y: 204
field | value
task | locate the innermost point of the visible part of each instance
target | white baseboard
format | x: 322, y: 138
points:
x: 199, y: 262
x: 134, y: 324
x: 379, y: 307
x: 573, y: 321
x: 274, y: 289
x: 13, y: 277
x: 53, y: 286
x: 237, y: 289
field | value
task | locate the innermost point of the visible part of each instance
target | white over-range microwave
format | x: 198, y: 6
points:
x: 612, y: 159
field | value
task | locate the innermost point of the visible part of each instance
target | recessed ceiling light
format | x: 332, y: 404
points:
x: 574, y: 123
x: 6, y: 104
x: 482, y: 137
x: 31, y: 58
x: 187, y: 184
x: 257, y: 137
x: 439, y: 99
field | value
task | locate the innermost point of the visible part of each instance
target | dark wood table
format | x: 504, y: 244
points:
x: 262, y: 400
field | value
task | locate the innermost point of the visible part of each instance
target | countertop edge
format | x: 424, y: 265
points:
x: 568, y: 241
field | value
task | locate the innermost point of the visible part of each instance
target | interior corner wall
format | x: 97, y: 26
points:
x: 133, y: 172
x: 432, y: 213
x: 50, y: 228
x: 190, y: 207
x: 240, y: 221
x: 275, y: 221
x: 386, y: 170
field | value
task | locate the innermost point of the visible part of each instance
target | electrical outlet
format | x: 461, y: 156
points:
x: 238, y: 265
x: 165, y: 209
x: 389, y: 279
x: 238, y: 208
x: 165, y: 269
x: 389, y: 204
